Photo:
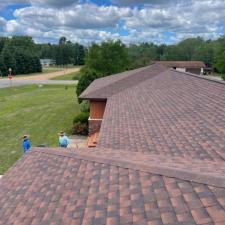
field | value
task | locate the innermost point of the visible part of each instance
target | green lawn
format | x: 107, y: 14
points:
x: 45, y: 70
x: 51, y: 69
x: 70, y: 76
x: 216, y: 74
x: 38, y: 111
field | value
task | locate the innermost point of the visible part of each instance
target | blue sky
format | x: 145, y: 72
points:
x: 132, y: 21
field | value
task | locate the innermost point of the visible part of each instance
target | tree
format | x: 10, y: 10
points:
x: 204, y: 53
x: 220, y: 64
x: 3, y: 41
x: 8, y: 61
x: 88, y: 75
x: 108, y: 58
x: 3, y: 68
x: 62, y: 41
x: 21, y: 54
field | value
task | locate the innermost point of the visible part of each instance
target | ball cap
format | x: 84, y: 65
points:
x: 61, y: 133
x: 26, y: 136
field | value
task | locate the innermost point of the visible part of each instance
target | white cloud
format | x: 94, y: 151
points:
x: 54, y: 3
x: 3, y: 23
x: 149, y: 2
x: 50, y: 3
x: 158, y: 20
x: 4, y: 3
x: 189, y: 19
x: 96, y: 17
x: 50, y: 23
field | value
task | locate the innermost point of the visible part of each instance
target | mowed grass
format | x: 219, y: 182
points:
x: 51, y: 69
x: 45, y: 70
x: 70, y: 76
x: 38, y: 111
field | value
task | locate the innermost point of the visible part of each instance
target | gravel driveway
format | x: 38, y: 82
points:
x: 39, y: 79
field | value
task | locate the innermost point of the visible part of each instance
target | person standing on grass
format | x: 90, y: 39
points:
x: 26, y: 143
x: 63, y: 140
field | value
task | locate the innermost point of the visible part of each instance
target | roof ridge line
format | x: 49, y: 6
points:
x: 125, y: 78
x: 151, y: 166
x: 199, y: 76
x: 135, y: 72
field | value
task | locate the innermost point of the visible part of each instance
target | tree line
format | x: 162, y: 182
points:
x: 63, y: 53
x: 22, y: 54
x: 211, y: 52
x: 111, y: 57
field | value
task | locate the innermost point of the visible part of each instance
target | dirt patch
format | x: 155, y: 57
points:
x: 47, y: 76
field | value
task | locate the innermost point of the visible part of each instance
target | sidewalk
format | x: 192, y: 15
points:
x: 77, y: 141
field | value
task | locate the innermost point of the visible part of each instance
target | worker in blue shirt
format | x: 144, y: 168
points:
x: 63, y: 140
x: 26, y: 143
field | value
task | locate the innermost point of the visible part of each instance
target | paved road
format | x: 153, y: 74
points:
x: 6, y: 83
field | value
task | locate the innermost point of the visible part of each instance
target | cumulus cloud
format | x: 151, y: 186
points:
x: 148, y: 2
x: 4, y: 3
x: 50, y: 3
x: 3, y: 22
x: 96, y: 17
x: 50, y: 23
x: 157, y: 20
x: 55, y: 3
x: 194, y: 18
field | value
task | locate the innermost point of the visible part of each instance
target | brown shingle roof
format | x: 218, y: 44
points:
x: 183, y: 64
x: 59, y: 187
x: 160, y: 159
x: 105, y: 87
x: 172, y: 113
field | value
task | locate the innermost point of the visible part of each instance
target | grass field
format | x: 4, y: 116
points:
x: 70, y: 76
x: 51, y: 69
x: 45, y: 70
x: 38, y: 111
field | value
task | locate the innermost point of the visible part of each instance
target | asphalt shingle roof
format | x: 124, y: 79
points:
x: 172, y: 113
x: 60, y: 187
x: 183, y: 64
x: 160, y: 159
x: 106, y: 87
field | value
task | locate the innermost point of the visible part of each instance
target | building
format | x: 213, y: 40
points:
x: 195, y: 67
x: 159, y: 159
x: 47, y: 62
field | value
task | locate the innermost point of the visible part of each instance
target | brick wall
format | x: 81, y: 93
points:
x: 94, y: 125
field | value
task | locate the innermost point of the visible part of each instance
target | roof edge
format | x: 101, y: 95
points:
x: 200, y: 76
x: 134, y: 71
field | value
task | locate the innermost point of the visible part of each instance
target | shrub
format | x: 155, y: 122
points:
x: 82, y: 118
x: 85, y: 106
x: 77, y: 76
x: 223, y: 76
x: 87, y: 76
x: 80, y: 128
x: 80, y: 124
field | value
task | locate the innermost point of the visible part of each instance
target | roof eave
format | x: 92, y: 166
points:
x: 92, y: 98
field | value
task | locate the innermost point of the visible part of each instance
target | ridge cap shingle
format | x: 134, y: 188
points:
x: 135, y: 71
x: 87, y: 94
x: 175, y: 167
